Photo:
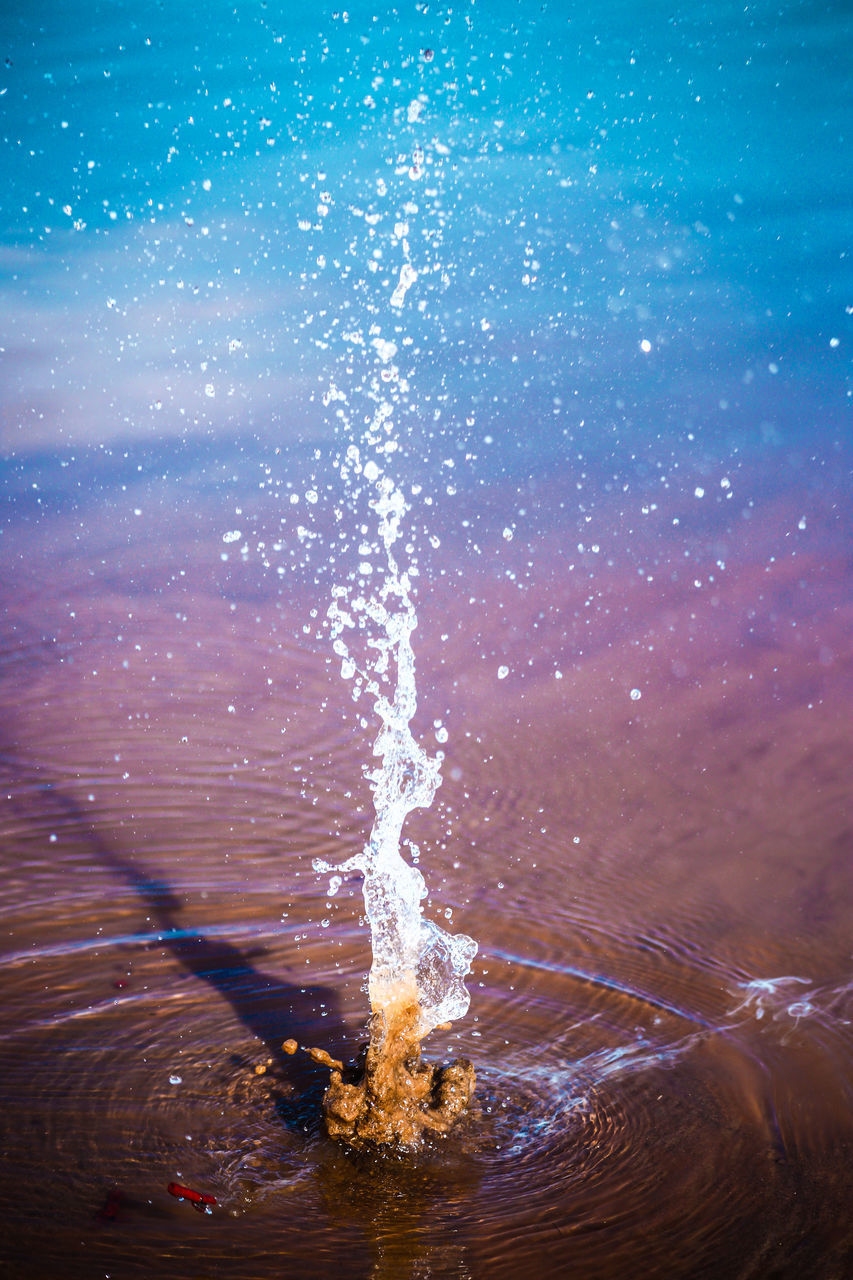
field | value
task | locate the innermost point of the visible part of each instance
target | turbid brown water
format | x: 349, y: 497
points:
x: 390, y: 1097
x: 660, y: 886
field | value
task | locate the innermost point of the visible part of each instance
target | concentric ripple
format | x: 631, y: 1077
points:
x: 660, y: 1025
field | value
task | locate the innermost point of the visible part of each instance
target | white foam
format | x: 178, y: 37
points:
x: 409, y: 951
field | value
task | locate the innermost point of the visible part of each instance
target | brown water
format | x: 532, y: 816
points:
x: 661, y: 889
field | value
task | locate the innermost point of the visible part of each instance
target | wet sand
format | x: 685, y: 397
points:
x: 659, y: 885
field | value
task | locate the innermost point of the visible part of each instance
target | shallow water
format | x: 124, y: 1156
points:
x: 628, y: 454
x: 661, y: 1015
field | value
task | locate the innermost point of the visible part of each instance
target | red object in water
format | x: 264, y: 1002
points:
x: 198, y: 1199
x: 110, y: 1208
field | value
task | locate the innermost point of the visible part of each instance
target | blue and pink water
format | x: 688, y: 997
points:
x: 563, y: 295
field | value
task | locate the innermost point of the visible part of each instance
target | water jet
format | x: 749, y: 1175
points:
x: 416, y: 978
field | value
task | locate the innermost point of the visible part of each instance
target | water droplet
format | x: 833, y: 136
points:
x: 635, y: 695
x: 503, y: 672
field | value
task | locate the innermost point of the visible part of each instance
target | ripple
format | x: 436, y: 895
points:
x: 662, y: 1042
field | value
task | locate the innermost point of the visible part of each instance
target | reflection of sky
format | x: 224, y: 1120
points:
x: 632, y: 224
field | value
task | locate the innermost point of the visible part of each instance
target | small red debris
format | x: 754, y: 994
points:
x: 198, y: 1199
x: 109, y: 1210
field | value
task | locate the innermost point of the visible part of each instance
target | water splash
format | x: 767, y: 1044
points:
x: 412, y: 956
x: 415, y: 962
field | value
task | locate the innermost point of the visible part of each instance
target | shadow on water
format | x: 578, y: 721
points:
x: 271, y: 1009
x: 395, y: 1201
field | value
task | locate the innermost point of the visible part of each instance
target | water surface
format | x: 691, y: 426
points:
x: 634, y: 602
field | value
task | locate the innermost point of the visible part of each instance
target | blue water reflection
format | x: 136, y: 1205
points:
x: 635, y: 223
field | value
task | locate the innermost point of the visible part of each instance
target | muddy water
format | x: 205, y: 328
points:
x: 660, y: 886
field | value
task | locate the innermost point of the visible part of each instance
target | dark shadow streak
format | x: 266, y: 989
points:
x: 272, y: 1010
